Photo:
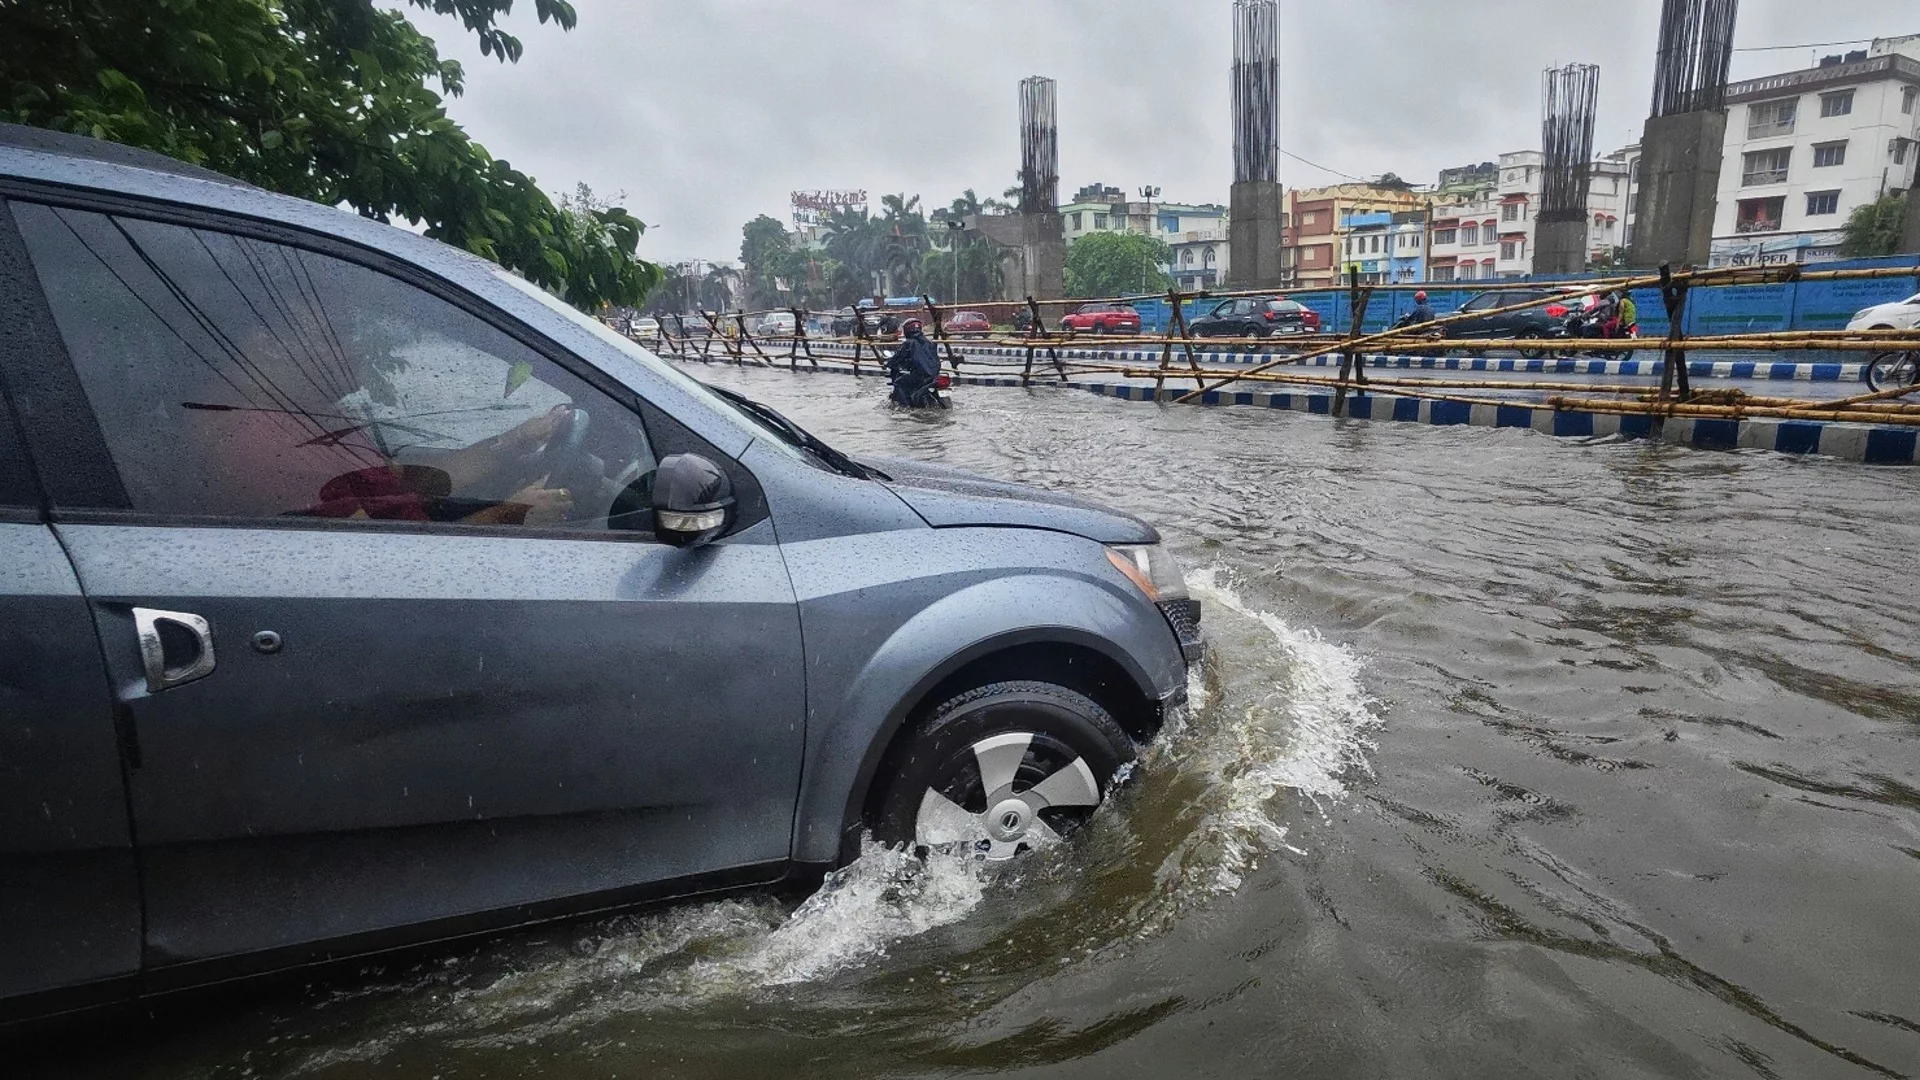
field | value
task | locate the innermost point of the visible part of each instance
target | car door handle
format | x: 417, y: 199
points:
x: 153, y: 647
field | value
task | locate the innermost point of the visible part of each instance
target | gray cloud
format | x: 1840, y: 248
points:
x: 708, y: 112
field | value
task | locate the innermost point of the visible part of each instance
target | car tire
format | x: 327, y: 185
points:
x: 1050, y: 754
x: 1529, y: 352
x: 1099, y: 328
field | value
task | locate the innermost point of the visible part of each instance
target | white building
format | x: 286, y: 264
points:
x: 1466, y: 237
x: 1520, y: 185
x: 1201, y: 257
x: 1805, y: 148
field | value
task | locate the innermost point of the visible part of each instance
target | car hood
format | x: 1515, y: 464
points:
x: 950, y: 498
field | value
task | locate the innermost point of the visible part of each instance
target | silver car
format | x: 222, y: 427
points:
x: 355, y: 594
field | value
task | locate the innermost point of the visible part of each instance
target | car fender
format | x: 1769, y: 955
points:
x: 866, y: 672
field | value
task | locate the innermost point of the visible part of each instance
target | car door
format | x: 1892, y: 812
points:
x: 1476, y: 326
x: 372, y: 580
x: 69, y: 895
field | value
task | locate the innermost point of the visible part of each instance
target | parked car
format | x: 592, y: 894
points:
x: 1101, y: 319
x: 389, y: 599
x: 968, y: 324
x: 775, y: 324
x: 1251, y: 317
x: 1904, y: 315
x: 1547, y: 319
x: 645, y: 326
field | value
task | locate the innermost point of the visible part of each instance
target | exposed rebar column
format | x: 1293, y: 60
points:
x: 1256, y: 91
x: 1679, y: 167
x: 1043, y: 245
x: 1255, y: 234
x: 1569, y: 98
x: 1039, y: 146
x: 1696, y: 51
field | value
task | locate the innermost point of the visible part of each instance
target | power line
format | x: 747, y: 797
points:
x: 1809, y: 45
x: 1323, y: 168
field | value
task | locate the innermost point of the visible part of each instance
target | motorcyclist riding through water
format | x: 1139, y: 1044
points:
x: 1421, y: 313
x: 914, y: 370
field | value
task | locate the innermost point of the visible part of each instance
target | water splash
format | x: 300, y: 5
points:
x: 1293, y: 716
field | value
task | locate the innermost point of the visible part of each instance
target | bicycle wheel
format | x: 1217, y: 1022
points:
x: 1892, y: 371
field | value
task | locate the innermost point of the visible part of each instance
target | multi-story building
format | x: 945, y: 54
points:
x: 1314, y: 228
x: 1466, y: 234
x: 1099, y: 208
x: 1520, y: 186
x: 1407, y: 247
x: 1805, y: 148
x: 1367, y: 247
x: 1609, y: 183
x: 1201, y: 258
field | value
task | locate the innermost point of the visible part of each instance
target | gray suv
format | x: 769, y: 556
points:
x: 355, y: 594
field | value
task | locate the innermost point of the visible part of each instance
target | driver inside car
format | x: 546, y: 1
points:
x: 443, y: 487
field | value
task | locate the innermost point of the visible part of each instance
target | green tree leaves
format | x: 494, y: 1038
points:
x: 1117, y: 264
x: 324, y: 99
x: 1874, y: 228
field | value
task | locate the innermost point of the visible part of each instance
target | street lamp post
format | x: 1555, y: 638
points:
x: 953, y: 254
x: 1149, y: 193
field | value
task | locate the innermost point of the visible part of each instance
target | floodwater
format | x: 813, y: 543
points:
x: 1514, y: 756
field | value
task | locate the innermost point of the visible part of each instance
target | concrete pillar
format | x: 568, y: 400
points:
x: 1043, y: 237
x: 1033, y: 253
x: 1560, y: 242
x: 1679, y: 186
x: 1254, y: 236
x: 1910, y: 237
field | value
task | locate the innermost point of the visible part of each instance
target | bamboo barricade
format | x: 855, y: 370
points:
x: 1674, y: 396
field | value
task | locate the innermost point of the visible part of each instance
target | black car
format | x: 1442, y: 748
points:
x: 1548, y: 319
x: 1256, y: 318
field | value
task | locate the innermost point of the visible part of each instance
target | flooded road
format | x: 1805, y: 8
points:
x: 1513, y: 756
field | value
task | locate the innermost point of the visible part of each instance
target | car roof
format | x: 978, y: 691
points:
x: 84, y: 148
x: 77, y: 163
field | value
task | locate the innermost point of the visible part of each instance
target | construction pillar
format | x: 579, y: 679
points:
x: 1044, y: 249
x: 1910, y: 237
x: 1679, y: 189
x: 1254, y: 234
x: 1560, y: 242
x: 1685, y: 135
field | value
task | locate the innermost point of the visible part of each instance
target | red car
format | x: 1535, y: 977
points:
x: 967, y: 324
x: 1102, y: 319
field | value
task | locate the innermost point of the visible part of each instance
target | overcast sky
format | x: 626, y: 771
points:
x: 708, y: 112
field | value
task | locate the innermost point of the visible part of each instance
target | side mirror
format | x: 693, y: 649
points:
x: 692, y: 501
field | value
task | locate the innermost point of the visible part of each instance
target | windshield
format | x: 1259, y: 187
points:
x: 641, y: 356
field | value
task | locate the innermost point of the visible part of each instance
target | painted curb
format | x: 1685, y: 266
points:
x: 1798, y: 371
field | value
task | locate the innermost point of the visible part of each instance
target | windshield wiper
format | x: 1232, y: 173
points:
x: 798, y: 436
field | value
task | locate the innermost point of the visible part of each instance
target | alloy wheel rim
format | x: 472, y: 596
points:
x: 1021, y: 776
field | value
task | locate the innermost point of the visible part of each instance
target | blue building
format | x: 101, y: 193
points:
x: 1407, y: 247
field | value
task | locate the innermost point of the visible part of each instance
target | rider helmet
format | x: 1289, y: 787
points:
x: 912, y: 327
x: 1420, y: 297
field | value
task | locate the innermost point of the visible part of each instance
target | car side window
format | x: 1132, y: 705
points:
x: 1482, y: 303
x: 1222, y: 309
x: 239, y: 378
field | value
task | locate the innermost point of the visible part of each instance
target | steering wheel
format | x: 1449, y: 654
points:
x: 562, y: 449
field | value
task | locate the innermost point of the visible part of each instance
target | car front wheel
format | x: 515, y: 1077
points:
x: 1000, y: 769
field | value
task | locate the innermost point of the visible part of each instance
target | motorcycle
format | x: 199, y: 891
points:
x: 1588, y: 325
x: 935, y: 395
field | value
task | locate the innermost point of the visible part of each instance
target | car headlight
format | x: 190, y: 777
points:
x: 1152, y: 569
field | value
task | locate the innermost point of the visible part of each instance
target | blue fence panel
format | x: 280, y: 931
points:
x: 1739, y: 309
x: 1828, y: 305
